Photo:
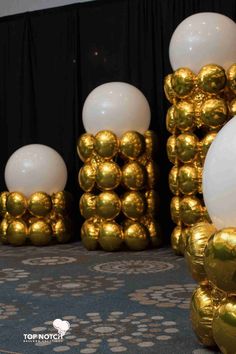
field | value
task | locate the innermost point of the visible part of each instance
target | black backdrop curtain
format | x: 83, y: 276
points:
x: 50, y: 60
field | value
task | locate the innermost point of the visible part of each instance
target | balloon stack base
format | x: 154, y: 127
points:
x: 119, y: 203
x: 211, y: 260
x: 201, y: 105
x: 39, y: 220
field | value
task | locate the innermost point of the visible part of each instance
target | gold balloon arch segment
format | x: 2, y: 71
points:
x: 201, y: 104
x: 119, y: 203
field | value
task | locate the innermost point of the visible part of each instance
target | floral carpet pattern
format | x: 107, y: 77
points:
x: 124, y: 302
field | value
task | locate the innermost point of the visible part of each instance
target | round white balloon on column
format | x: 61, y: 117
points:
x: 219, y: 177
x: 34, y: 168
x: 116, y: 106
x: 203, y: 38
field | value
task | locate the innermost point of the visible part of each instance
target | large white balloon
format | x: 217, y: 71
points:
x: 35, y: 168
x: 219, y: 177
x: 116, y: 106
x: 203, y: 38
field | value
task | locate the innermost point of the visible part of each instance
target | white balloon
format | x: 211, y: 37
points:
x: 35, y: 168
x: 219, y: 177
x: 203, y: 38
x: 116, y: 106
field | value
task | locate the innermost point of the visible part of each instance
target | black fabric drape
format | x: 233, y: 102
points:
x: 50, y: 60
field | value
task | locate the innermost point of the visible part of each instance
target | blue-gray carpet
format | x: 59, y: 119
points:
x: 121, y: 302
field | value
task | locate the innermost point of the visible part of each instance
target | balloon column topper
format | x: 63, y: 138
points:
x: 36, y: 208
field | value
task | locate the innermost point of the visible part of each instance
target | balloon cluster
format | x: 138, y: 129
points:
x: 40, y: 219
x: 201, y: 104
x: 118, y: 178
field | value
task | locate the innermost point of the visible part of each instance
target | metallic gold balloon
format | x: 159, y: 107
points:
x: 214, y: 112
x: 62, y: 202
x: 224, y: 326
x: 175, y: 210
x: 187, y: 147
x: 62, y: 230
x: 220, y: 259
x: 17, y: 232
x: 206, y: 143
x: 188, y: 179
x: 197, y: 97
x: 108, y: 205
x: 85, y: 146
x: 184, y: 116
x: 87, y: 205
x: 132, y: 145
x: 134, y: 176
x: 169, y: 92
x: 16, y: 204
x: 154, y: 230
x: 86, y: 177
x: 175, y: 240
x: 182, y: 82
x: 110, y: 236
x: 151, y: 143
x: 106, y: 144
x: 171, y: 148
x: 133, y: 205
x: 170, y: 120
x: 152, y: 201
x: 231, y: 75
x: 201, y: 312
x: 3, y: 231
x: 143, y: 159
x: 39, y: 204
x: 95, y: 160
x: 50, y: 218
x: 183, y: 239
x: 232, y: 107
x: 3, y: 203
x: 190, y: 210
x: 198, y: 237
x: 40, y: 233
x: 89, y: 234
x: 108, y: 175
x: 136, y: 237
x: 152, y: 174
x: 211, y: 78
x: 173, y: 180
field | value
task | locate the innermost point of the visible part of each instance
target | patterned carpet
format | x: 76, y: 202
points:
x: 115, y: 302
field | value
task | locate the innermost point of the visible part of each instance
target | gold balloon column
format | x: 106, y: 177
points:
x: 39, y: 220
x: 118, y: 178
x: 201, y: 105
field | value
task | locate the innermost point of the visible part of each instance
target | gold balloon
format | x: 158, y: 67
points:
x: 106, y: 144
x: 154, y: 230
x: 201, y: 312
x: 17, y: 232
x: 184, y: 116
x: 169, y: 92
x: 173, y: 180
x: 62, y: 202
x: 85, y: 146
x: 108, y: 205
x: 190, y: 210
x: 3, y: 231
x: 232, y: 107
x: 171, y: 148
x: 198, y: 237
x: 183, y: 239
x: 214, y: 112
x: 134, y: 176
x: 16, y: 204
x: 188, y: 179
x: 197, y: 97
x: 62, y: 230
x: 39, y: 204
x: 89, y: 234
x: 87, y: 205
x: 231, y: 75
x: 108, y: 175
x: 136, y: 237
x: 40, y: 233
x: 3, y: 203
x: 133, y: 205
x: 152, y: 174
x: 170, y: 120
x: 143, y: 159
x: 182, y: 82
x: 132, y: 145
x: 151, y: 143
x: 175, y: 240
x: 175, y: 210
x: 95, y: 160
x: 220, y: 259
x: 206, y: 143
x: 212, y: 78
x: 224, y: 326
x: 187, y: 147
x: 86, y: 177
x: 50, y: 218
x: 110, y: 236
x: 152, y: 201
